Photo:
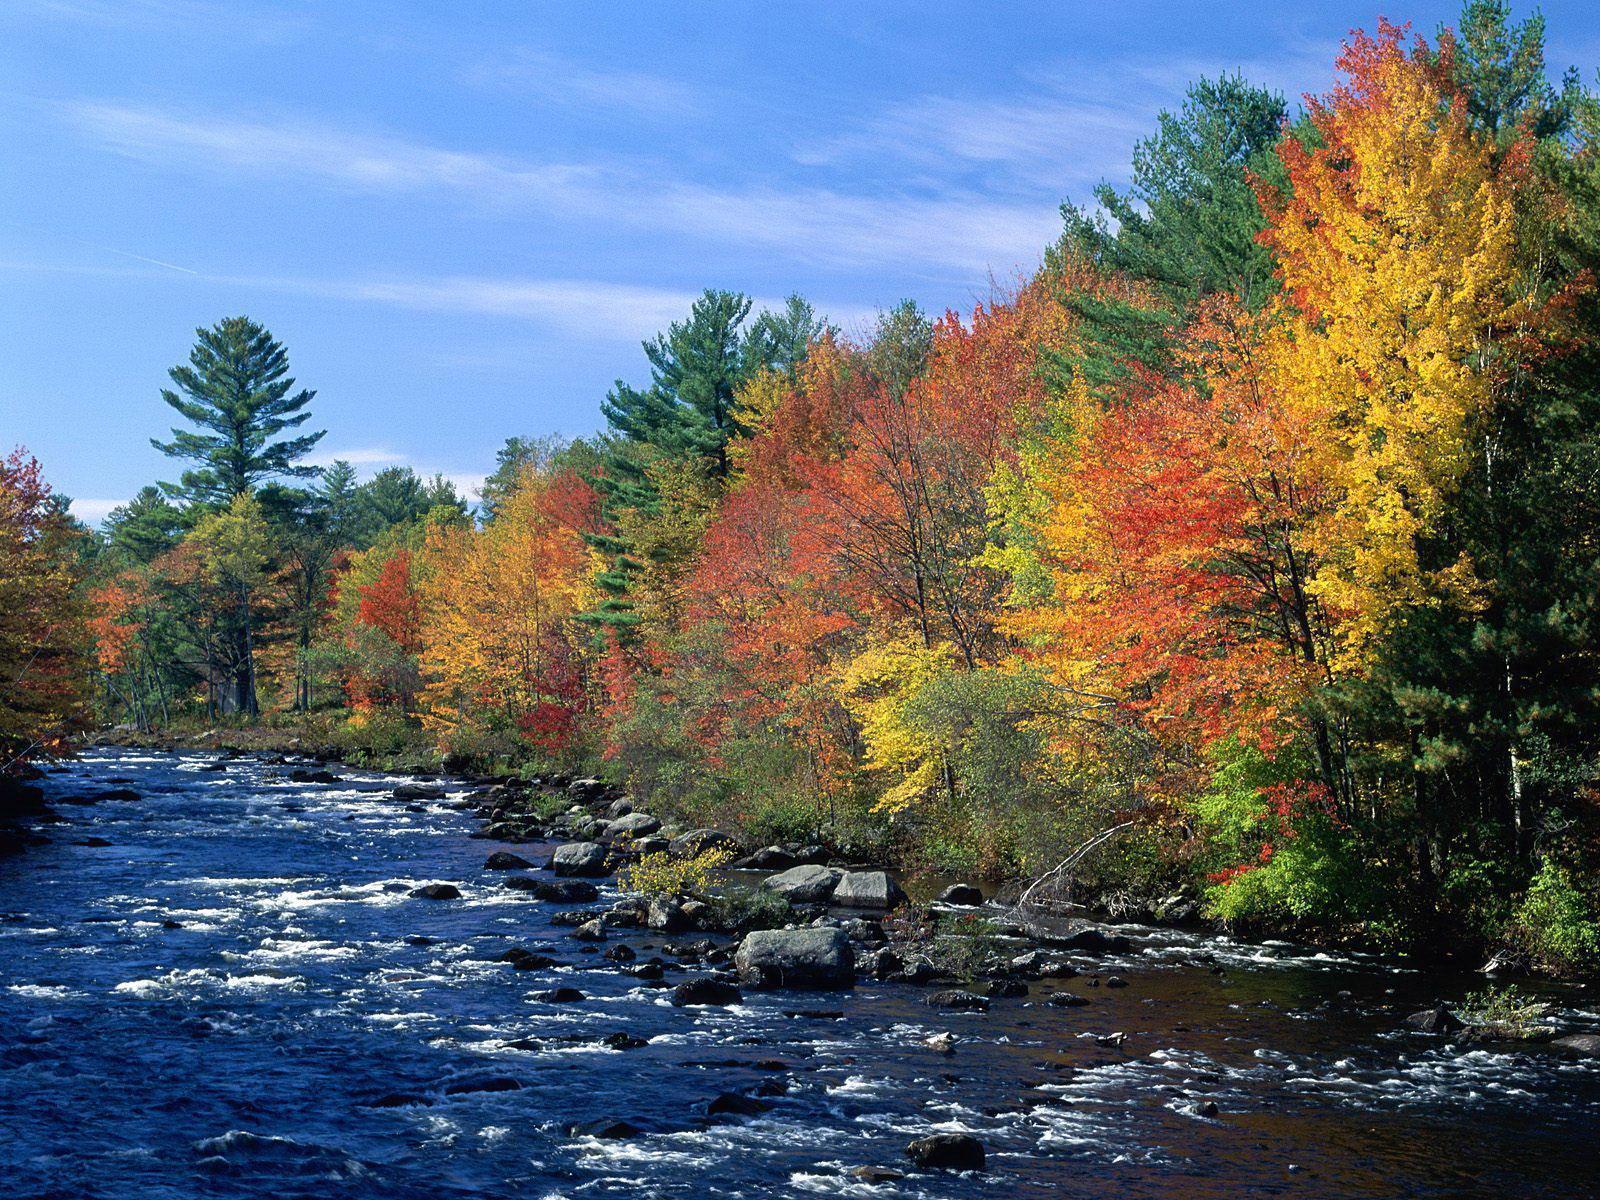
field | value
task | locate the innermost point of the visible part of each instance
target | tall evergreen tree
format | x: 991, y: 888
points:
x: 1186, y: 227
x: 696, y: 368
x: 237, y: 391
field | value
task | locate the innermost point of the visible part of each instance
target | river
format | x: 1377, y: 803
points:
x: 215, y: 1002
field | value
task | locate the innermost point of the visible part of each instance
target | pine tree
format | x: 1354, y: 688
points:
x: 236, y: 388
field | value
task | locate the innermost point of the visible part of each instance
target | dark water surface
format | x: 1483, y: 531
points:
x: 240, y: 1054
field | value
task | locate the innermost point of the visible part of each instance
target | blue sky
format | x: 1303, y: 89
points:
x: 462, y: 218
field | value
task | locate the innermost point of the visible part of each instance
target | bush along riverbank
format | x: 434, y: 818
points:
x: 1550, y: 934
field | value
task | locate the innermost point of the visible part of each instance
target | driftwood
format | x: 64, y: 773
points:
x: 1051, y: 893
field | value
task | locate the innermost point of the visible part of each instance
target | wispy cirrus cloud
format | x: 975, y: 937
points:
x: 959, y: 230
x: 1063, y: 127
x: 258, y: 22
x: 1046, y: 141
x: 546, y: 76
x: 594, y: 310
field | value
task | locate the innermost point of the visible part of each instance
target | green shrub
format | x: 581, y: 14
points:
x: 746, y: 908
x: 1556, y: 923
x: 1505, y: 1013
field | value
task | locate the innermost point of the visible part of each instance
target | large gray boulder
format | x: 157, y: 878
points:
x: 633, y: 825
x: 698, y: 841
x: 807, y: 884
x: 1581, y: 1043
x: 814, y: 957
x: 579, y: 858
x: 868, y: 889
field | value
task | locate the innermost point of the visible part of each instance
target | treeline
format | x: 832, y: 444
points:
x: 1262, y: 522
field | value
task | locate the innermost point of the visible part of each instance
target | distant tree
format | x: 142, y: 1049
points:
x: 398, y: 496
x: 144, y: 528
x: 236, y: 389
x: 1500, y: 68
x: 233, y: 547
x: 1185, y: 229
x: 696, y: 368
x: 778, y: 341
x: 41, y: 623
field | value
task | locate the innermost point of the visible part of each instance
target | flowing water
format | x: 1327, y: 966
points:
x: 213, y: 1003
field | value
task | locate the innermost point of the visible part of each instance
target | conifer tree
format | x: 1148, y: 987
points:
x: 237, y: 391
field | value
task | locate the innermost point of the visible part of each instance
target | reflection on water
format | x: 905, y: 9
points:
x: 237, y: 997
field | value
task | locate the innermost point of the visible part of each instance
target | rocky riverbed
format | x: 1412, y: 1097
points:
x: 247, y: 976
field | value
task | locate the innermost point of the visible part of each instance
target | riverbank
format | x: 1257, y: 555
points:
x: 304, y: 971
x: 1114, y: 893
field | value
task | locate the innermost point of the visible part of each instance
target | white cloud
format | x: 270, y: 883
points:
x: 257, y: 22
x: 1048, y: 141
x: 365, y: 456
x: 538, y: 73
x: 93, y: 512
x: 962, y: 230
x: 590, y: 309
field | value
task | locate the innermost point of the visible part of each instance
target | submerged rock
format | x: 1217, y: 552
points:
x: 736, y: 1104
x: 815, y: 957
x: 559, y: 995
x: 526, y: 960
x: 504, y: 860
x: 604, y: 1130
x: 418, y: 791
x: 493, y: 1083
x: 704, y: 991
x: 437, y: 891
x: 1437, y: 1019
x: 556, y: 891
x: 948, y: 1152
x: 960, y: 1000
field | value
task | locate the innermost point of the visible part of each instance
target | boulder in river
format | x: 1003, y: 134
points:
x: 868, y: 889
x: 1580, y: 1043
x: 579, y: 858
x: 665, y: 915
x: 1437, y: 1019
x: 504, y: 860
x: 556, y: 891
x: 633, y: 825
x: 814, y: 957
x: 418, y: 791
x: 604, y: 1130
x: 590, y: 931
x: 623, y: 1040
x: 1092, y: 941
x: 736, y: 1104
x: 962, y: 1001
x: 698, y: 841
x: 948, y: 1152
x: 808, y: 884
x: 704, y: 990
x: 963, y: 894
x: 558, y: 995
x: 768, y: 858
x: 491, y: 1083
x: 437, y: 891
x: 526, y: 960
